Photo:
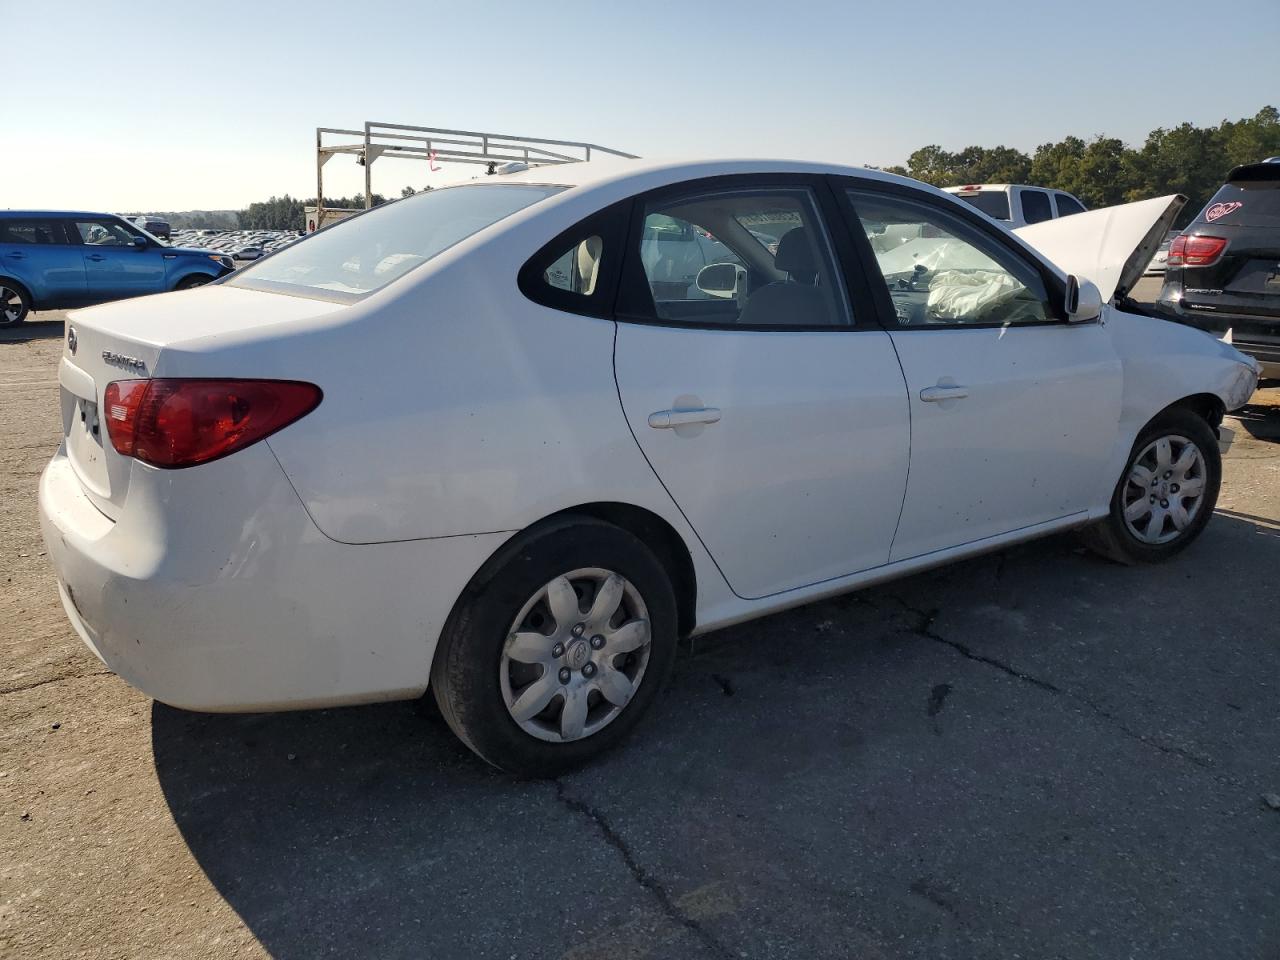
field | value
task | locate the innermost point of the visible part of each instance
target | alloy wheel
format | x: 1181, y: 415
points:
x: 11, y: 307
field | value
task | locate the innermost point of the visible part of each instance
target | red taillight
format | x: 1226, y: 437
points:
x: 1195, y: 251
x: 180, y: 423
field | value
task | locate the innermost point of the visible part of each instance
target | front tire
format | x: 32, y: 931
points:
x: 1166, y: 495
x: 193, y: 281
x: 557, y: 648
x: 15, y: 303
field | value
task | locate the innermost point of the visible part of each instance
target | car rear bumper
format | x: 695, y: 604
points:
x: 214, y: 590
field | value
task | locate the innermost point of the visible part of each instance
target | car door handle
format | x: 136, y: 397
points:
x: 17, y: 256
x: 97, y: 257
x: 669, y: 419
x: 936, y: 394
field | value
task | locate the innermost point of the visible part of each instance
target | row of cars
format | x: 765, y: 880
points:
x: 243, y: 245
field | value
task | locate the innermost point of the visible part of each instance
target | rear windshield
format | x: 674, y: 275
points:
x: 994, y: 203
x: 1244, y: 203
x: 354, y: 258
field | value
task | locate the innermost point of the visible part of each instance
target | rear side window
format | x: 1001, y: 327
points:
x: 1244, y: 203
x: 994, y: 203
x: 30, y: 231
x: 747, y: 257
x: 352, y: 259
x: 1067, y: 205
x: 1035, y: 206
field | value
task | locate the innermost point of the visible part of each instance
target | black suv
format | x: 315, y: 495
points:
x: 1224, y: 270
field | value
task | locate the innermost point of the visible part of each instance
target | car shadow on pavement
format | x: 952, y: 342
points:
x: 32, y: 329
x: 966, y: 760
x: 1261, y: 419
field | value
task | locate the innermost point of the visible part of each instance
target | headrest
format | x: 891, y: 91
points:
x: 589, y: 263
x: 797, y: 256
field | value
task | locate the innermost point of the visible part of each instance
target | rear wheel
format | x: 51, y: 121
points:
x: 1167, y: 494
x: 557, y: 649
x: 15, y: 303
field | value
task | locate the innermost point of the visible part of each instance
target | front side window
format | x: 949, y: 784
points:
x: 1035, y: 206
x: 753, y: 257
x: 941, y: 271
x: 30, y: 231
x: 104, y: 233
x: 363, y: 254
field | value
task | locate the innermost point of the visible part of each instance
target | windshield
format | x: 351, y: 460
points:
x: 994, y: 203
x: 354, y: 258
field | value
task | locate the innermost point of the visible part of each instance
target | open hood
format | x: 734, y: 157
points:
x: 1111, y: 246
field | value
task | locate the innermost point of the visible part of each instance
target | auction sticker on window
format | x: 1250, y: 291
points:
x: 1220, y: 210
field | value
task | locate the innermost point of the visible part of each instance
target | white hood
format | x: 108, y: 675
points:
x: 1111, y: 246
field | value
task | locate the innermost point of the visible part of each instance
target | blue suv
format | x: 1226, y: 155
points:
x: 52, y: 261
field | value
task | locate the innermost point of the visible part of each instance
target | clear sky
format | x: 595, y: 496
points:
x: 142, y: 105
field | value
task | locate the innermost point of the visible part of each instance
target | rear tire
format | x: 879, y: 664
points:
x: 557, y: 647
x: 15, y: 303
x: 1154, y: 515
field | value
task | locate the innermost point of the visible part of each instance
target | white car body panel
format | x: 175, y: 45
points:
x: 319, y: 566
x: 1108, y: 246
x: 1023, y: 447
x: 808, y: 459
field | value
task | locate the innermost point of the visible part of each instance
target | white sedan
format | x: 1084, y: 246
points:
x: 494, y: 440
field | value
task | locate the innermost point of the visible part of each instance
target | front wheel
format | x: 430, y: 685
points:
x: 1166, y: 495
x: 557, y: 649
x: 15, y: 304
x: 191, y: 282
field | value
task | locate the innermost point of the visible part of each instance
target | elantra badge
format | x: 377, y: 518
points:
x: 120, y: 360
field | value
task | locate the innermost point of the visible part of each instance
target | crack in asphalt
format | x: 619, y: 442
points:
x: 923, y: 628
x: 63, y: 679
x: 638, y: 873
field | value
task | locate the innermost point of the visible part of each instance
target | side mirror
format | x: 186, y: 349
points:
x: 1083, y: 300
x: 140, y: 242
x: 720, y: 280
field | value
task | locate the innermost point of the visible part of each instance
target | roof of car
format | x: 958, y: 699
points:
x: 57, y: 213
x: 580, y: 174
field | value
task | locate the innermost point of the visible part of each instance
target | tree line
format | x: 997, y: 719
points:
x: 287, y: 213
x: 1102, y: 171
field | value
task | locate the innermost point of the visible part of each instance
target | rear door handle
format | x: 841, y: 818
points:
x: 936, y: 394
x: 668, y: 419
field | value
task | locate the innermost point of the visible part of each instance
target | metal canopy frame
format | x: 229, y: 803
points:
x: 379, y: 140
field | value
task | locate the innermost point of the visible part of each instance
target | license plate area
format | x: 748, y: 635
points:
x: 85, y: 438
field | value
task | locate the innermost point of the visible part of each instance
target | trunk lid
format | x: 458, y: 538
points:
x: 125, y: 340
x: 1111, y: 246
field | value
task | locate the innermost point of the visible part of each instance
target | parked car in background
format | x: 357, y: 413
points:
x: 1158, y: 262
x: 155, y: 226
x: 1017, y: 204
x: 251, y: 251
x: 53, y: 260
x: 1223, y: 273
x: 486, y: 441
